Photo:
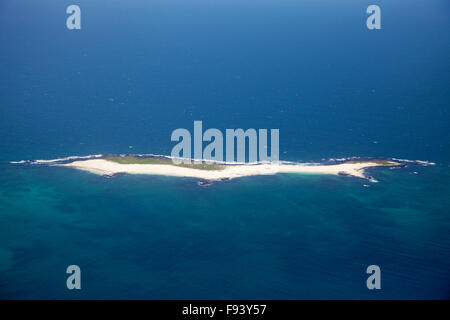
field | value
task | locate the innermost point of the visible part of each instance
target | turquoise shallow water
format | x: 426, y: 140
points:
x: 284, y: 236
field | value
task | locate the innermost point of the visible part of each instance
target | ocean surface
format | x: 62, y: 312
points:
x: 137, y: 70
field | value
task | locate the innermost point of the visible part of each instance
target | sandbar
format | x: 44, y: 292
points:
x: 230, y: 171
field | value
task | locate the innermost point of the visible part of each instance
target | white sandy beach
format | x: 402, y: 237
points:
x: 105, y: 167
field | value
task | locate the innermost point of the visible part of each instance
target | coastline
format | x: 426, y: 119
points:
x: 231, y: 171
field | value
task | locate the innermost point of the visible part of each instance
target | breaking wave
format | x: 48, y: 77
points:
x: 57, y: 160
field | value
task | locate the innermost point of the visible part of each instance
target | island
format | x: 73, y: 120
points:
x: 211, y: 171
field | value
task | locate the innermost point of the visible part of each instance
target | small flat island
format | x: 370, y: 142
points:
x: 209, y: 171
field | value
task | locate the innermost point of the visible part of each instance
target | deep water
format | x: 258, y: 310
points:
x: 138, y: 70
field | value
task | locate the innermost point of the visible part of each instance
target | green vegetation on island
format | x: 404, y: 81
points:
x: 381, y: 162
x: 161, y: 160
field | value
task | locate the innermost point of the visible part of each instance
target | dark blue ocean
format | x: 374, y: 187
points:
x: 139, y: 69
